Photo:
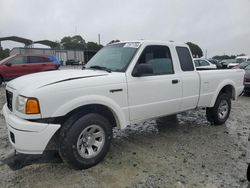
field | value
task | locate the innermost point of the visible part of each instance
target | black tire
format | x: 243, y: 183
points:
x: 213, y: 113
x: 70, y: 134
x: 246, y: 93
x: 1, y: 80
x: 248, y: 173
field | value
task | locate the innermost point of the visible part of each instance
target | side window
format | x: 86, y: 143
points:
x: 37, y: 59
x: 46, y: 60
x: 185, y: 58
x: 18, y: 60
x: 204, y: 63
x: 160, y: 59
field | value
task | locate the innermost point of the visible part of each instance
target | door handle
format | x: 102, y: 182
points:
x: 175, y: 81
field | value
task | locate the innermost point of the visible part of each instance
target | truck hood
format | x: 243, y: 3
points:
x: 39, y: 80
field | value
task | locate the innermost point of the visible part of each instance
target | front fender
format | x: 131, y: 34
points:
x: 94, y: 99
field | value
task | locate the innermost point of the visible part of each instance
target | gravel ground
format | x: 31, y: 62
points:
x: 171, y: 152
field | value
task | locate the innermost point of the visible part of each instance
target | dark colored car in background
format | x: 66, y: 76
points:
x: 242, y: 65
x: 19, y: 65
x: 215, y: 62
x: 225, y: 62
x: 247, y: 79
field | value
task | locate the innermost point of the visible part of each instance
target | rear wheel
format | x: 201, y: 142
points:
x: 85, y: 141
x: 219, y: 114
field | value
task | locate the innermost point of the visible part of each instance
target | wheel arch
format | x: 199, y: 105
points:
x: 227, y: 87
x: 94, y: 104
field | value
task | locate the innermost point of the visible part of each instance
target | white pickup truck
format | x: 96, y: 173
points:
x: 124, y: 83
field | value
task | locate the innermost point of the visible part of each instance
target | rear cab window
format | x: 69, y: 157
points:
x: 185, y: 58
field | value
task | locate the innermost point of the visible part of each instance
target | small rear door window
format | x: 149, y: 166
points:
x: 185, y: 58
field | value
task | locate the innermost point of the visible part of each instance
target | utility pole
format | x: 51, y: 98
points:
x: 99, y: 39
x: 206, y: 54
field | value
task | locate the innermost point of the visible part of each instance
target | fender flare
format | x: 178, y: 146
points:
x: 226, y: 82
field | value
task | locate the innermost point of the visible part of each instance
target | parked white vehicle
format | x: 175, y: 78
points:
x: 204, y: 64
x: 239, y: 59
x: 123, y: 84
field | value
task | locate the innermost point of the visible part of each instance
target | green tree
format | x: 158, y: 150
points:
x: 242, y: 54
x: 195, y: 49
x: 4, y: 53
x: 93, y: 46
x: 75, y: 42
x: 221, y: 57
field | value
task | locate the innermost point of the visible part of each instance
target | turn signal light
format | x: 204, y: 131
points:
x: 32, y: 106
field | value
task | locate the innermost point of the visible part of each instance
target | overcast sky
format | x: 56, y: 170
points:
x: 218, y: 26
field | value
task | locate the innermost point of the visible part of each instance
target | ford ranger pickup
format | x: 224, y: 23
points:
x: 124, y: 83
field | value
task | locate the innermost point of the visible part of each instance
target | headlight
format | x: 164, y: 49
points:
x: 27, y: 105
x: 21, y: 103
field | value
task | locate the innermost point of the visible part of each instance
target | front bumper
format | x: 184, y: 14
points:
x: 26, y: 136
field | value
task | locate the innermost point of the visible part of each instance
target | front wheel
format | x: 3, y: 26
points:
x: 85, y: 141
x: 219, y: 114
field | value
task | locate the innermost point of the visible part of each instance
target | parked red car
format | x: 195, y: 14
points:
x: 18, y: 65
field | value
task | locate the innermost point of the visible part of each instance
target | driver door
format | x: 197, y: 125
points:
x: 158, y: 94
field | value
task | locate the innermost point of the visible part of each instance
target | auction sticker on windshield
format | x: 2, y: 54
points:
x: 132, y: 45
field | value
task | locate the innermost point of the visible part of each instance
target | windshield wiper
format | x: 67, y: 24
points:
x: 100, y: 68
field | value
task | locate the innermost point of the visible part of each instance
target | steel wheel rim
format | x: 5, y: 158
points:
x: 223, y: 109
x: 91, y: 141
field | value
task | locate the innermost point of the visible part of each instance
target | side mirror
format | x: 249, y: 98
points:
x: 142, y: 70
x: 8, y: 64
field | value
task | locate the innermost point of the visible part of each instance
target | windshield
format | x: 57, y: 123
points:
x: 6, y: 59
x: 244, y: 64
x: 115, y: 57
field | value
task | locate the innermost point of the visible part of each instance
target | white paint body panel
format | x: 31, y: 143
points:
x: 140, y: 98
x: 32, y: 141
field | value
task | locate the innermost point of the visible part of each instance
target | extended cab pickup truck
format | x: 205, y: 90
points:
x: 124, y: 83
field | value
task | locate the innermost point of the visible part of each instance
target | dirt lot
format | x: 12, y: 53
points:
x: 182, y: 152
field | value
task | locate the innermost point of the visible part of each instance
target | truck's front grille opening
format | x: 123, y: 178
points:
x: 9, y: 96
x: 12, y: 137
